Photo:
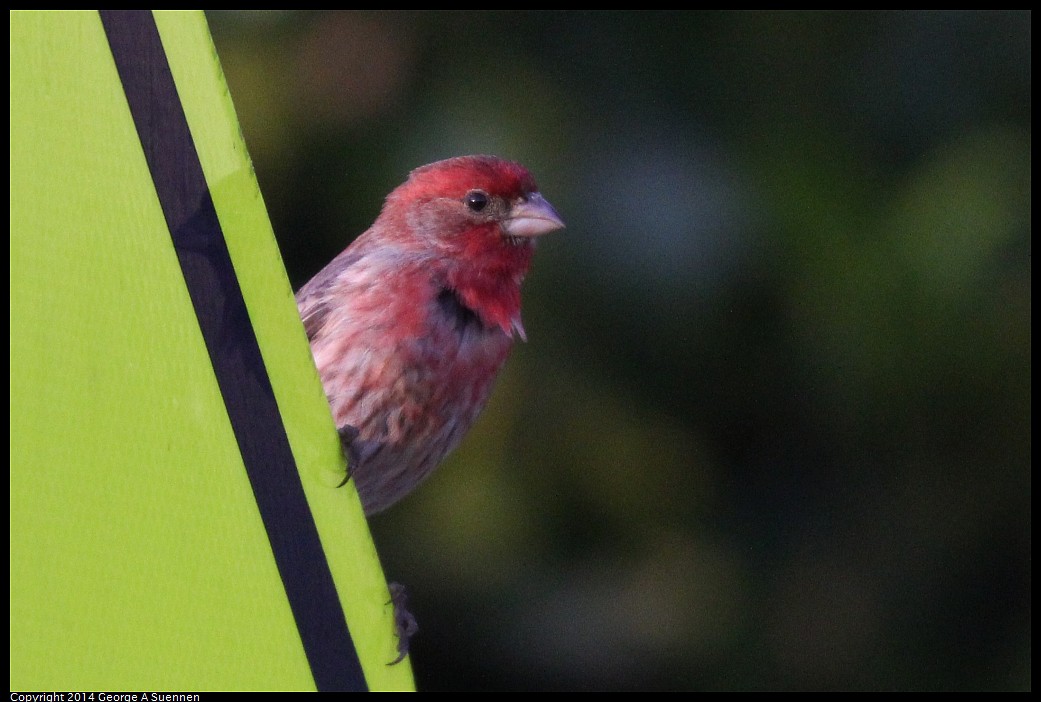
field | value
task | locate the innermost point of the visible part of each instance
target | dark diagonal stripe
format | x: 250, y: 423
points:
x: 233, y: 348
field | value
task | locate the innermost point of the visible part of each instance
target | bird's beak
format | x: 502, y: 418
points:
x: 532, y: 217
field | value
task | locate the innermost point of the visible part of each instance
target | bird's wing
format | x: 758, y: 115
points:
x: 313, y: 300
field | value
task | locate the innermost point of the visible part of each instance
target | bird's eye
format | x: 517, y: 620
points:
x: 476, y: 200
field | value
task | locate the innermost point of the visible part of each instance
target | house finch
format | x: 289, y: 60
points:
x: 411, y: 323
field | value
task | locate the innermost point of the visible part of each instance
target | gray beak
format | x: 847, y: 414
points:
x: 532, y: 217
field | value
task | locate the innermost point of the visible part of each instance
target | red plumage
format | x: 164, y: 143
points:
x: 411, y: 323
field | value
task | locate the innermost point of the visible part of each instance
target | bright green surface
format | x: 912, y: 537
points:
x: 138, y: 558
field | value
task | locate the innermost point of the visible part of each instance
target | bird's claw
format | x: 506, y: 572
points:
x: 348, y: 437
x: 358, y: 451
x: 405, y: 625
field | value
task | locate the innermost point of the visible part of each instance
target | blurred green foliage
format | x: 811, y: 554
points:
x: 772, y: 427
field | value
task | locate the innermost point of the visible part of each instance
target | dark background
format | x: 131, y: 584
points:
x: 772, y: 426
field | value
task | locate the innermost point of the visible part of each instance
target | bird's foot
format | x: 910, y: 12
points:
x: 405, y: 625
x: 348, y: 435
x: 358, y: 451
